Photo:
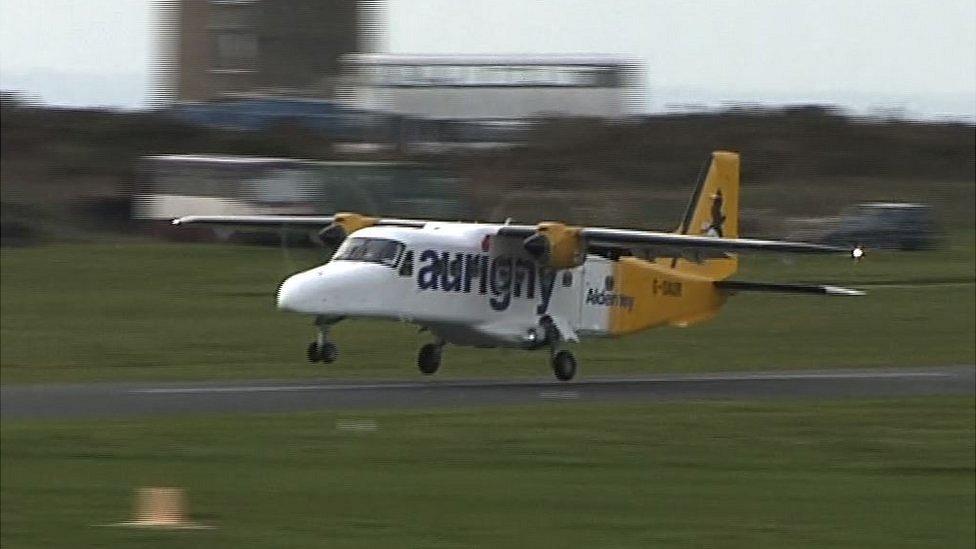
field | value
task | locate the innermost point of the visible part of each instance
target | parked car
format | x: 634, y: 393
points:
x: 892, y: 225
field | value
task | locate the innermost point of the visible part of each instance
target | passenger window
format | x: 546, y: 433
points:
x: 406, y: 266
x: 608, y: 283
x: 567, y: 278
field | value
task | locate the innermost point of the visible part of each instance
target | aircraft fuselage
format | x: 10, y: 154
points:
x: 471, y: 287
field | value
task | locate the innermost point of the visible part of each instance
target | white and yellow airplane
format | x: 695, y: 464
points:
x: 527, y: 286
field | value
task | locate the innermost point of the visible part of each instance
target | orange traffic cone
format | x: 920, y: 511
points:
x: 161, y: 507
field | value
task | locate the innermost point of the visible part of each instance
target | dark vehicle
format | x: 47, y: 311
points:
x: 890, y: 225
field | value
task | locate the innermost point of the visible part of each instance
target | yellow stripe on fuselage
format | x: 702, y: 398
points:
x: 653, y: 294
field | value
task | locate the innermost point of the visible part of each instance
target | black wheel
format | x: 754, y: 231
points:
x: 564, y: 365
x: 328, y: 353
x: 313, y: 352
x: 429, y: 358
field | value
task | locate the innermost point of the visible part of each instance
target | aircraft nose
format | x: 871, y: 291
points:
x: 291, y: 296
x: 337, y: 289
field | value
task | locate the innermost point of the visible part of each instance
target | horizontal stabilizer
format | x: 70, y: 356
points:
x: 814, y: 289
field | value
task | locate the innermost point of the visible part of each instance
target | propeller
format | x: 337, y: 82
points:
x: 538, y: 247
x: 556, y: 245
x: 332, y: 235
x: 326, y: 240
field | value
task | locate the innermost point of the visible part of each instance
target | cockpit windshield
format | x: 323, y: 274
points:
x: 372, y: 250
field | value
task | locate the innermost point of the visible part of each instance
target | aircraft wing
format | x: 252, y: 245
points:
x: 277, y: 221
x: 657, y: 244
x: 661, y: 244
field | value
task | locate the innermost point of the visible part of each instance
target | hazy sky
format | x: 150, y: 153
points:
x: 917, y: 55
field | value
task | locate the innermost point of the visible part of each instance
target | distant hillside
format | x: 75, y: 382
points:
x: 803, y: 161
x: 806, y: 141
x: 66, y: 173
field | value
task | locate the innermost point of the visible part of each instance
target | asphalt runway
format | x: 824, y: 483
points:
x: 104, y: 400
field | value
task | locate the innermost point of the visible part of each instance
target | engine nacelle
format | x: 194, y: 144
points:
x: 557, y: 245
x: 344, y: 224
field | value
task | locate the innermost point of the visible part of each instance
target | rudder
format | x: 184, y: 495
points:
x: 714, y: 211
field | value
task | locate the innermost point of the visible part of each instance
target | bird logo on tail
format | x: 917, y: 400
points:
x: 715, y: 226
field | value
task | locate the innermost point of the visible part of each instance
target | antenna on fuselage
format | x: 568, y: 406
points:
x: 508, y: 221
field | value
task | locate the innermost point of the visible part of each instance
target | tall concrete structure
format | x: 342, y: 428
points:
x: 234, y: 46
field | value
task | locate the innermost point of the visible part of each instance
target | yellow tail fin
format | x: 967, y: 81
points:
x: 714, y: 211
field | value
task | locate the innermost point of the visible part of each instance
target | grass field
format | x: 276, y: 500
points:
x: 169, y: 311
x: 891, y: 473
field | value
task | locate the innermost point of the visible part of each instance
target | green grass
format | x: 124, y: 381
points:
x: 889, y: 473
x: 167, y: 311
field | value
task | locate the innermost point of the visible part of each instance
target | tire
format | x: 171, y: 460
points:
x: 313, y: 352
x: 429, y: 359
x: 564, y: 365
x: 328, y: 353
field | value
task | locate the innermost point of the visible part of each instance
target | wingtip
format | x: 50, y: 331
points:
x: 837, y: 290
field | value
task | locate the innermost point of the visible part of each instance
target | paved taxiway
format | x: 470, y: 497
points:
x: 141, y: 399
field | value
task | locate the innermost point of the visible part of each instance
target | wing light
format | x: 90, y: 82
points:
x: 857, y: 253
x: 837, y: 290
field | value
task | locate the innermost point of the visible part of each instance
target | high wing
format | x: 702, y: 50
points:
x: 274, y: 221
x: 708, y: 231
x: 660, y: 244
x: 651, y: 243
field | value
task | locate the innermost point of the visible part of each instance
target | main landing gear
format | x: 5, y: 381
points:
x: 429, y: 357
x: 323, y: 350
x: 563, y: 362
x: 563, y: 365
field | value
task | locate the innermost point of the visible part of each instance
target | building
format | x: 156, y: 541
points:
x: 491, y: 88
x: 171, y: 186
x: 255, y: 64
x: 228, y: 46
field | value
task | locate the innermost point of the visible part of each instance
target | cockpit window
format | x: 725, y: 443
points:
x: 372, y: 250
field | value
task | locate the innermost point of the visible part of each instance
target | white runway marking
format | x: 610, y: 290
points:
x: 559, y: 395
x: 357, y: 425
x: 593, y: 381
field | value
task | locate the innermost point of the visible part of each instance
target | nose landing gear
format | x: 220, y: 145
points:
x: 326, y: 352
x: 323, y: 350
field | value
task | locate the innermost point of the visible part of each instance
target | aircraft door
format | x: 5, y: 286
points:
x: 564, y: 304
x: 409, y: 296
